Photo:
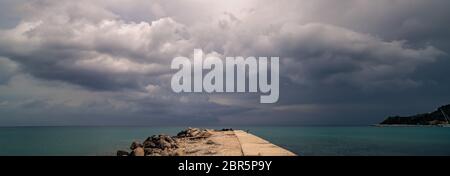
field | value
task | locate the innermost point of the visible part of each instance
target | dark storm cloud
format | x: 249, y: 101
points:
x: 8, y: 69
x: 342, y: 62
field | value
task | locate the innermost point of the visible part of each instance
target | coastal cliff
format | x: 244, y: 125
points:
x: 437, y: 117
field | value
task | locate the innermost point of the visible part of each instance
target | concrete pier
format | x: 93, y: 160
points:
x: 252, y: 145
x: 208, y: 142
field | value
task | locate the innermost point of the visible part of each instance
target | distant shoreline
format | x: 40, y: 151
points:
x: 407, y: 125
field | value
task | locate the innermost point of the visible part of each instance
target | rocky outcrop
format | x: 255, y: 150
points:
x: 194, y: 133
x: 164, y: 145
x: 161, y: 142
x: 160, y: 145
x: 437, y: 117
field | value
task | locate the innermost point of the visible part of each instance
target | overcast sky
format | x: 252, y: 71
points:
x: 107, y: 62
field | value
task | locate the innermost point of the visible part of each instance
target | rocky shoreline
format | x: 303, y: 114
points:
x: 438, y: 117
x: 192, y: 141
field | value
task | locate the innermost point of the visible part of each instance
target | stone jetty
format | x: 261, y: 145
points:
x: 205, y: 142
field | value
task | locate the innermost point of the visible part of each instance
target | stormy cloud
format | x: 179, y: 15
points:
x: 108, y: 61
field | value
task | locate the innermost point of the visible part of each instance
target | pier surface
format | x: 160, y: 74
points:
x: 252, y: 145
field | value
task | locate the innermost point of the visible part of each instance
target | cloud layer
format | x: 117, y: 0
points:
x: 107, y: 62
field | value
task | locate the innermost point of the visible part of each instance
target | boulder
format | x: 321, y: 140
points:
x: 194, y: 133
x: 164, y: 153
x: 139, y: 151
x: 168, y: 139
x: 149, y: 144
x: 152, y: 151
x: 204, y: 134
x: 163, y: 144
x: 135, y: 145
x: 122, y: 153
x: 190, y: 132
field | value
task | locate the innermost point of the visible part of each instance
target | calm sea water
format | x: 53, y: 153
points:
x: 301, y: 140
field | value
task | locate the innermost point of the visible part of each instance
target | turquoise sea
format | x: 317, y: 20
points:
x: 306, y: 141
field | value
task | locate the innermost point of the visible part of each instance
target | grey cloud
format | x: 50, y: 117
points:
x: 8, y: 69
x: 111, y: 58
x: 329, y: 54
x: 108, y: 54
